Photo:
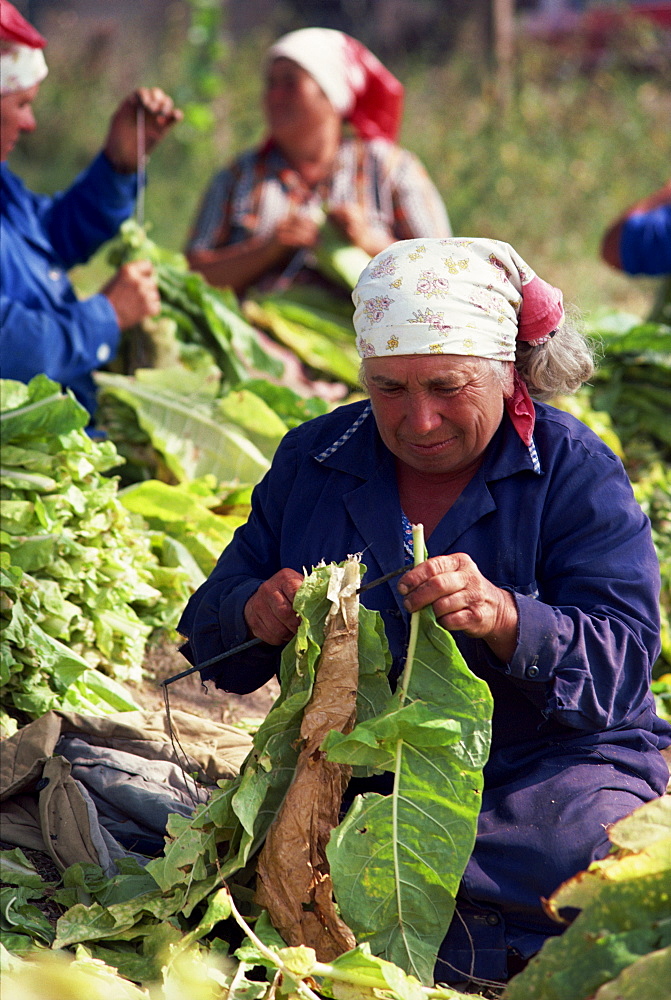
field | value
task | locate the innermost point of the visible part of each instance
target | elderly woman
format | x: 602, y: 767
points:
x: 540, y: 562
x: 261, y: 214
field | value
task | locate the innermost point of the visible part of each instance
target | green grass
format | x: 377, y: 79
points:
x: 547, y: 174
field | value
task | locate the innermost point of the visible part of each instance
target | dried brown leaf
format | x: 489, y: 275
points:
x: 293, y: 878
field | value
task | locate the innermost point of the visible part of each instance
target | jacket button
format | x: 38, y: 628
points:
x: 532, y: 671
x: 492, y: 919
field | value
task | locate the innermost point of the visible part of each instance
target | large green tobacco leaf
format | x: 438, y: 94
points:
x: 191, y: 439
x: 254, y: 417
x: 396, y: 860
x: 625, y: 922
x: 183, y: 515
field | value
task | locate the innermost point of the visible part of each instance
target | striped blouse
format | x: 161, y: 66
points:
x: 259, y: 189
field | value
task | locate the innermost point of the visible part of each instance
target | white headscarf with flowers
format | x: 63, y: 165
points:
x: 474, y: 297
x: 452, y: 296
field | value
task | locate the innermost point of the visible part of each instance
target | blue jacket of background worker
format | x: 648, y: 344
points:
x: 645, y: 242
x: 44, y: 327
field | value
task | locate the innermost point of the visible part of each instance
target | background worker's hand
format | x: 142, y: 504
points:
x: 295, y: 231
x: 269, y: 612
x: 133, y: 293
x: 350, y: 220
x: 463, y: 600
x: 160, y: 114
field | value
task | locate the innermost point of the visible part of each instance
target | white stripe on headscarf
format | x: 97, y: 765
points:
x: 21, y: 67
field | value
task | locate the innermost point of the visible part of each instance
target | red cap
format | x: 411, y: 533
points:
x: 15, y: 28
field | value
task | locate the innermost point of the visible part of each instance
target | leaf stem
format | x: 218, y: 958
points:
x: 418, y: 549
x: 301, y: 988
x: 372, y: 981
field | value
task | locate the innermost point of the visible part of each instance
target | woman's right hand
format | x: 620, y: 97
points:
x: 269, y: 612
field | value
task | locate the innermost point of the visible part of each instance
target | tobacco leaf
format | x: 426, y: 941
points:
x: 396, y: 860
x: 233, y: 824
x: 624, y: 916
x: 293, y: 881
x: 626, y: 921
x: 647, y: 977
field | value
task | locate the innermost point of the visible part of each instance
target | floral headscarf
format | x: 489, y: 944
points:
x: 473, y: 297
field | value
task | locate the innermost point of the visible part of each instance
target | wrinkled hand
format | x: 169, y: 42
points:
x: 463, y: 600
x: 133, y: 293
x: 160, y: 115
x: 269, y: 612
x: 351, y: 222
x: 295, y: 231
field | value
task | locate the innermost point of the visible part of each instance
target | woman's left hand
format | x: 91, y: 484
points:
x: 463, y: 600
x: 160, y: 114
x: 351, y: 222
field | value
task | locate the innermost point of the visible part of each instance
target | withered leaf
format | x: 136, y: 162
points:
x: 293, y: 879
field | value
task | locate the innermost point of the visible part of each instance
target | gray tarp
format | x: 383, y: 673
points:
x: 88, y: 789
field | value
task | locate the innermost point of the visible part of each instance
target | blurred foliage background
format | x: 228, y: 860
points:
x: 578, y: 138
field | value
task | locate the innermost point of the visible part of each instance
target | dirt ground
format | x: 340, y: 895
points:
x: 190, y: 695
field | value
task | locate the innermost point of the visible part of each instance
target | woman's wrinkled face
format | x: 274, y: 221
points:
x: 294, y: 102
x: 436, y: 413
x: 16, y: 116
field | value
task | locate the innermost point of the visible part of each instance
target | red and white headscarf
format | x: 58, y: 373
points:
x: 22, y: 63
x: 474, y: 297
x: 356, y: 83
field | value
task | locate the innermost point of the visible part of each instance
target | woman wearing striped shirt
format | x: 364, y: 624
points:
x: 262, y: 214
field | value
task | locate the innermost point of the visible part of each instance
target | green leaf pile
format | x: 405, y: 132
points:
x: 194, y: 317
x: 193, y: 431
x: 80, y: 583
x: 174, y: 425
x: 323, y: 344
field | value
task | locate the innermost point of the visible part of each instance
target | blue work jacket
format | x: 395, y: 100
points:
x: 645, y: 243
x: 44, y: 327
x: 576, y: 740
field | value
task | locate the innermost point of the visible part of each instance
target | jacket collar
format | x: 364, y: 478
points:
x: 359, y: 450
x: 374, y: 504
